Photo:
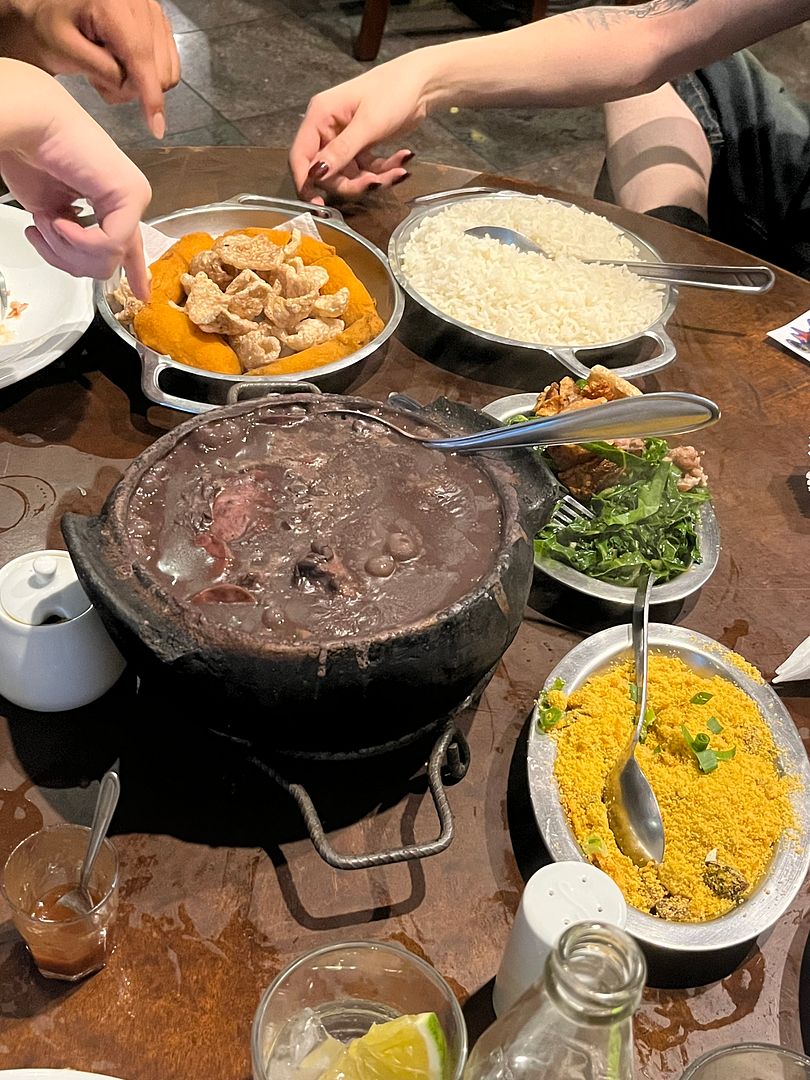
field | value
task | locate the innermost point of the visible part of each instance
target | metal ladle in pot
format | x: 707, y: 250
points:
x: 648, y: 416
x: 747, y: 279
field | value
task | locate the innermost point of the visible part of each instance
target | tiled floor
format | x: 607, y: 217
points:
x: 250, y: 66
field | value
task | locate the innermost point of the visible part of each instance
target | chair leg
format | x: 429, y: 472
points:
x: 368, y: 41
x: 539, y: 9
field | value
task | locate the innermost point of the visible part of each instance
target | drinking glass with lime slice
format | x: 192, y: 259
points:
x: 359, y: 1011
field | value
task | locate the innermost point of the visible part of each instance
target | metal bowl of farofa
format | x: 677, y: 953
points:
x: 789, y: 864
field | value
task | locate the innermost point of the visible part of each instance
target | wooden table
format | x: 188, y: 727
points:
x: 219, y: 888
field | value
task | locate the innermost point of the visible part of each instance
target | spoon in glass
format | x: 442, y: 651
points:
x: 747, y: 279
x: 81, y: 899
x: 633, y: 812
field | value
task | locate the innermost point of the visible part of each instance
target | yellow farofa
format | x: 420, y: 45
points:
x: 734, y: 814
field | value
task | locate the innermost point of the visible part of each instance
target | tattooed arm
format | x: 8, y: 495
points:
x: 582, y: 57
x: 600, y: 54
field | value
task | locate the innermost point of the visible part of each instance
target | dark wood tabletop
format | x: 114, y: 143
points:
x: 220, y: 887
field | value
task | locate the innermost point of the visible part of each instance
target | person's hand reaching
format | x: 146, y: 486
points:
x: 333, y: 150
x: 52, y: 153
x: 124, y: 47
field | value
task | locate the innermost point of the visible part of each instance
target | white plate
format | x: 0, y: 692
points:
x: 60, y: 307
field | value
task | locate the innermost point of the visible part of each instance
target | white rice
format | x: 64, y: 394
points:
x: 555, y: 301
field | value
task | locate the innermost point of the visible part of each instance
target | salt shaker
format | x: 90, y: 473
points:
x: 555, y: 897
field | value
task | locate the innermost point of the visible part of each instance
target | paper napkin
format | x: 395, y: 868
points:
x: 795, y: 336
x: 797, y: 665
x: 156, y: 243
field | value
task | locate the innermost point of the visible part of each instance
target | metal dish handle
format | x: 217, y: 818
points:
x: 657, y: 333
x: 325, y: 213
x: 454, y: 193
x: 247, y: 391
x: 152, y: 366
x: 450, y: 750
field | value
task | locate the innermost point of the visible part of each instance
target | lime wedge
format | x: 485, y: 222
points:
x: 408, y: 1048
x: 319, y: 1060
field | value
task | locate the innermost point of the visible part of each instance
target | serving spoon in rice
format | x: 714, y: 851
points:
x: 633, y: 812
x: 746, y: 279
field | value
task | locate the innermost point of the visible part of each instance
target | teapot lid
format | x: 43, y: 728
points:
x: 41, y: 587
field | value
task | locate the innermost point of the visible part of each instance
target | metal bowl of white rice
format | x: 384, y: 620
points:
x: 495, y: 300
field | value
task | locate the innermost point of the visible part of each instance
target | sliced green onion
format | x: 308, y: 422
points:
x: 594, y: 845
x: 707, y: 758
x: 701, y: 698
x: 714, y: 725
x: 549, y: 717
x: 633, y: 692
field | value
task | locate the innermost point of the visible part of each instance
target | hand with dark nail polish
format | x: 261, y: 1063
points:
x: 335, y: 155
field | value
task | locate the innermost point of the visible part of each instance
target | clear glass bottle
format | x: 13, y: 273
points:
x: 576, y: 1022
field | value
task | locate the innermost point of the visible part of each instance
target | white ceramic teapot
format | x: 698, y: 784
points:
x: 54, y: 651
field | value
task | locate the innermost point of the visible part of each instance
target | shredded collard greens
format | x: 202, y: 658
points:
x: 641, y: 525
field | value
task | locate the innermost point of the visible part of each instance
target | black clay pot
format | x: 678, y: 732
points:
x: 316, y: 696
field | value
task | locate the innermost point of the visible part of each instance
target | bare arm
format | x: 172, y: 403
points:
x: 124, y: 47
x: 599, y: 54
x: 578, y: 58
x: 52, y: 152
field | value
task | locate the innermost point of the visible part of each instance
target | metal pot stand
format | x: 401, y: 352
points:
x: 446, y: 765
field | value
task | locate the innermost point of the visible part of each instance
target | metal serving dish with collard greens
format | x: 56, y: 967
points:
x: 648, y: 516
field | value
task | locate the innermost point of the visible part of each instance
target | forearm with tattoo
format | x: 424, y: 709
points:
x: 596, y: 54
x: 606, y: 18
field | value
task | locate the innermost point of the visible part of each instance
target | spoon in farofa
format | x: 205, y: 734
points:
x: 633, y: 812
